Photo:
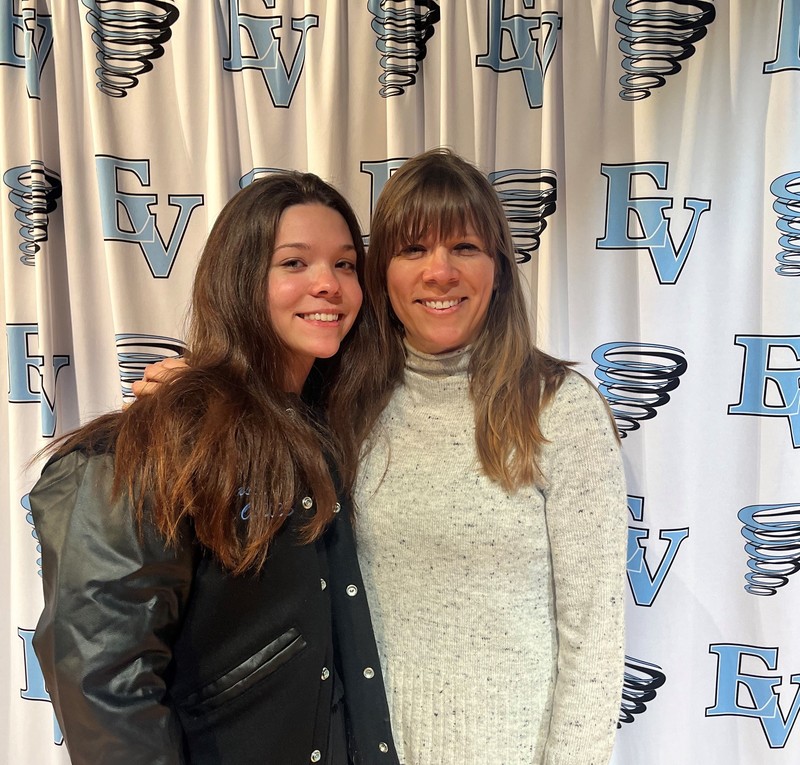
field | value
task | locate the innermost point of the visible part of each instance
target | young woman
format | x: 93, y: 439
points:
x: 490, y: 496
x: 203, y: 603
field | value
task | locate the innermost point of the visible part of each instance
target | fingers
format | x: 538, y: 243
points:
x: 156, y: 374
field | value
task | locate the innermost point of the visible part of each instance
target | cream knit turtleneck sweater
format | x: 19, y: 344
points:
x: 498, y: 617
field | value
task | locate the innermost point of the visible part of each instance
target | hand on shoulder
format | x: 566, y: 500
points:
x: 155, y: 374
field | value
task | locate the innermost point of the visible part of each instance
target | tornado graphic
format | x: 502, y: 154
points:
x: 403, y: 32
x: 654, y: 38
x: 128, y: 40
x: 135, y: 352
x: 528, y: 198
x: 35, y: 191
x: 786, y: 189
x: 773, y: 546
x: 636, y: 379
x: 640, y: 685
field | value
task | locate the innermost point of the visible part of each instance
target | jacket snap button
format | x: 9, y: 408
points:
x: 369, y: 673
x: 316, y: 756
x: 383, y: 747
x: 337, y: 507
x: 307, y: 502
x: 322, y: 584
x: 325, y: 673
x: 351, y: 590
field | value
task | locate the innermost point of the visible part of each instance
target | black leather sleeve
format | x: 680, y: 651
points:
x: 113, y: 604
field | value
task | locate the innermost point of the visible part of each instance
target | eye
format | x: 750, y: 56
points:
x: 291, y: 264
x: 411, y: 251
x: 467, y: 248
x: 346, y: 265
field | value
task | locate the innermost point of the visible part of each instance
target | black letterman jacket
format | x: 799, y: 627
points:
x: 157, y: 656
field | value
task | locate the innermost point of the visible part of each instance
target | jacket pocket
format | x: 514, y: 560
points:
x: 243, y: 677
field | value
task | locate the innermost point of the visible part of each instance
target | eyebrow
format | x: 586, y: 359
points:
x: 304, y: 246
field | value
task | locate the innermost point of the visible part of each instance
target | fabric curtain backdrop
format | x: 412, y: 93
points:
x: 646, y: 153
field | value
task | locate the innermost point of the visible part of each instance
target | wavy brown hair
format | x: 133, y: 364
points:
x: 225, y: 432
x: 511, y: 381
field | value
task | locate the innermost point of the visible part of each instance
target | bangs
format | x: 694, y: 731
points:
x: 440, y: 206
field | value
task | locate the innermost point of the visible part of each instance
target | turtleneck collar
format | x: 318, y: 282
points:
x: 439, y: 364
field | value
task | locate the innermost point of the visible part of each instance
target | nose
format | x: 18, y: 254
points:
x: 325, y: 281
x: 440, y: 267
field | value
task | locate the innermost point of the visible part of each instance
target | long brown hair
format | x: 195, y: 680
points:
x: 223, y: 445
x: 510, y: 379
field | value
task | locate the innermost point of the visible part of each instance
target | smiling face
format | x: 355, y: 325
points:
x: 313, y: 290
x: 440, y: 288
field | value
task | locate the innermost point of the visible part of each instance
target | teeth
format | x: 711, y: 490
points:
x: 440, y: 303
x: 321, y: 316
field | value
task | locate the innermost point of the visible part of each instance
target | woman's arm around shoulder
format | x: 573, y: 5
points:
x: 113, y: 597
x: 585, y: 501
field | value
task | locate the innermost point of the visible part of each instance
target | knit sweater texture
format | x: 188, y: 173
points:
x: 498, y: 616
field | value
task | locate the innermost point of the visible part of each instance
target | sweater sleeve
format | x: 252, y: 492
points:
x: 113, y: 599
x: 585, y: 505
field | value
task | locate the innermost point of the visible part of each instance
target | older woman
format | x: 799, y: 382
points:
x: 491, y: 515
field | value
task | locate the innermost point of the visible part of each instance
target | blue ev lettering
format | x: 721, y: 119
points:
x: 26, y: 40
x: 644, y: 582
x: 771, y: 379
x: 623, y: 208
x: 128, y: 217
x: 34, y: 689
x: 533, y: 40
x: 742, y: 692
x: 787, y: 55
x: 32, y: 379
x: 268, y: 37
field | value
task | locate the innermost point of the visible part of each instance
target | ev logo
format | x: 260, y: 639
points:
x: 255, y: 174
x: 771, y: 379
x: 139, y: 225
x: 30, y: 376
x: 646, y: 584
x: 624, y: 211
x: 26, y: 40
x: 736, y: 684
x: 788, y: 53
x: 532, y: 53
x: 34, y: 689
x: 268, y: 38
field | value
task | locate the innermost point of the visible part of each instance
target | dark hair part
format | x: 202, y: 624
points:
x: 510, y: 379
x: 225, y: 432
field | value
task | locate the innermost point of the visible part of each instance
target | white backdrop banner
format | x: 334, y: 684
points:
x: 647, y: 155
